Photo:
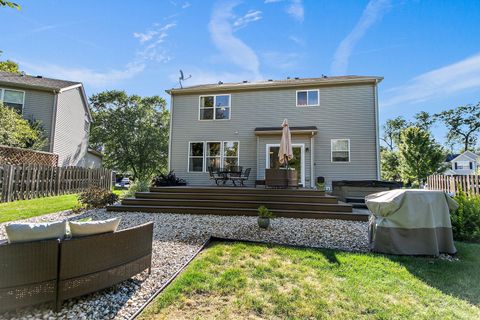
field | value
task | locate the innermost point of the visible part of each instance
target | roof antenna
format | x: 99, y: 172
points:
x: 182, y: 78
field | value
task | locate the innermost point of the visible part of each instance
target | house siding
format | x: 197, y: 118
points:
x: 38, y: 106
x: 71, y: 139
x: 345, y: 111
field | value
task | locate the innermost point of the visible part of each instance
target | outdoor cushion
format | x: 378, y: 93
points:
x: 23, y: 232
x: 86, y: 228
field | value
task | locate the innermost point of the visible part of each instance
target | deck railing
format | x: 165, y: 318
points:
x: 451, y: 184
x: 35, y: 181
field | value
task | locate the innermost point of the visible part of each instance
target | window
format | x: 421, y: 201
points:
x: 217, y: 154
x: 13, y: 99
x: 214, y: 156
x: 463, y: 165
x: 308, y: 98
x: 340, y: 150
x: 195, y: 157
x: 215, y: 107
x: 230, y: 154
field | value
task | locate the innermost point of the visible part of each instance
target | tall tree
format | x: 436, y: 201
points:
x: 419, y: 155
x: 390, y: 165
x: 463, y: 124
x: 423, y: 120
x: 18, y: 132
x: 391, y: 131
x: 131, y: 131
x: 13, y: 5
x: 9, y: 66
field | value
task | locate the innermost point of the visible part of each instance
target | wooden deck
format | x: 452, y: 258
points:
x: 292, y: 203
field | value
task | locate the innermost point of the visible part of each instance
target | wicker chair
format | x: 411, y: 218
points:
x: 92, y: 263
x: 53, y: 270
x: 28, y: 273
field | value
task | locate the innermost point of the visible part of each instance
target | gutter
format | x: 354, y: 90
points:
x: 377, y: 131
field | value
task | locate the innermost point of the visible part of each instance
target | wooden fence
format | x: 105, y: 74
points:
x: 470, y: 184
x: 35, y: 181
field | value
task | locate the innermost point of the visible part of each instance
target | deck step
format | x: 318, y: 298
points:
x: 228, y: 204
x: 356, y: 216
x: 237, y: 190
x: 234, y: 196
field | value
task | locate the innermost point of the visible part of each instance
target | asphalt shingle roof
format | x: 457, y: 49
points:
x: 21, y: 80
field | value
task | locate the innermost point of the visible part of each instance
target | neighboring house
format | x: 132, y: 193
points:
x: 333, y: 120
x: 462, y: 164
x: 62, y: 108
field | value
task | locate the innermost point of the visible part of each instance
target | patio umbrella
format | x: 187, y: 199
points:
x: 285, y: 153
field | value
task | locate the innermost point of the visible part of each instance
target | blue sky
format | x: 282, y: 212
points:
x: 428, y: 51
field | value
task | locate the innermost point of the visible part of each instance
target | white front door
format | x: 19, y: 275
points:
x: 297, y: 163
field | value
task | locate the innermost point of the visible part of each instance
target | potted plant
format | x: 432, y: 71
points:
x: 264, y: 216
x: 168, y: 180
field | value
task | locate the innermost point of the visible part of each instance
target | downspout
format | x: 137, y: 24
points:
x: 54, y: 121
x: 170, y: 134
x: 312, y: 161
x: 377, y: 129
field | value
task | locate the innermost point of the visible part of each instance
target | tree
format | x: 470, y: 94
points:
x: 18, y: 132
x: 419, y: 155
x: 13, y: 5
x: 423, y: 120
x: 131, y: 131
x: 463, y: 124
x: 391, y: 131
x: 390, y: 165
x: 9, y: 66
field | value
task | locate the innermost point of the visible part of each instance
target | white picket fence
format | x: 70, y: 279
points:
x: 469, y: 184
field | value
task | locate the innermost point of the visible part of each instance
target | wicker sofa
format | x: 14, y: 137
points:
x: 54, y: 271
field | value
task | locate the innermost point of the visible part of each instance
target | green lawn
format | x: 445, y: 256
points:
x: 238, y: 280
x: 24, y: 209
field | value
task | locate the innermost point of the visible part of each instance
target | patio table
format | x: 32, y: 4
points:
x: 228, y: 173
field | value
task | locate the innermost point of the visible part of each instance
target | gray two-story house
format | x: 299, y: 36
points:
x: 62, y: 108
x: 333, y: 121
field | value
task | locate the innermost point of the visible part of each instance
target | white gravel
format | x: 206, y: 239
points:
x: 176, y: 238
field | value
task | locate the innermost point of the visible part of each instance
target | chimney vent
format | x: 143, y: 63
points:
x: 220, y: 82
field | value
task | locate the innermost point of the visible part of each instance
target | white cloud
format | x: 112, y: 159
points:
x: 295, y: 9
x: 231, y: 47
x: 151, y: 41
x: 272, y: 1
x: 250, y: 16
x: 89, y: 77
x: 281, y: 60
x: 158, y: 33
x: 297, y: 40
x: 372, y: 13
x: 438, y: 83
x: 186, y: 5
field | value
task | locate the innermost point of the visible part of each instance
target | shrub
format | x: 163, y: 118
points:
x: 95, y: 197
x: 466, y: 219
x: 138, y: 186
x: 263, y: 212
x: 163, y: 180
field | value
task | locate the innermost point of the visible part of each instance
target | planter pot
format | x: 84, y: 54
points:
x: 263, y: 222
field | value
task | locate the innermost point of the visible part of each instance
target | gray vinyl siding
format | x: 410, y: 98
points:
x: 38, y: 106
x: 345, y: 111
x: 71, y: 139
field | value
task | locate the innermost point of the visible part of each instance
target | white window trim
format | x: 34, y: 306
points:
x: 2, y: 93
x: 204, y: 162
x: 203, y: 157
x: 307, y: 105
x: 214, y: 107
x: 302, y: 152
x: 331, y: 151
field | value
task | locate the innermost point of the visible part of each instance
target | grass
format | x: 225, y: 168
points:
x: 239, y: 280
x: 24, y: 209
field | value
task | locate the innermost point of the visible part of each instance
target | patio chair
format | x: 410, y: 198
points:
x: 214, y: 175
x: 241, y: 178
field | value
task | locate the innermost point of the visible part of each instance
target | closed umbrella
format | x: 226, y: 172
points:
x: 285, y: 153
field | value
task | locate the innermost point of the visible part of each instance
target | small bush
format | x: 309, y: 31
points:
x: 138, y: 186
x: 95, y: 197
x: 263, y: 212
x: 164, y: 180
x: 466, y: 219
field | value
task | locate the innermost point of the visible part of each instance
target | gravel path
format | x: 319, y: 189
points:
x: 176, y: 238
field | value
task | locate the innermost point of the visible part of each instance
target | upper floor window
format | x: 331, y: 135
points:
x: 308, y: 98
x: 214, y: 107
x: 13, y: 99
x: 340, y: 150
x: 463, y: 165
